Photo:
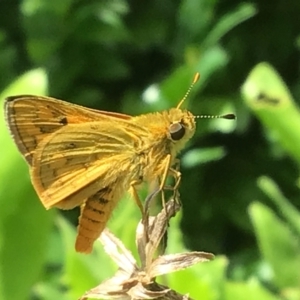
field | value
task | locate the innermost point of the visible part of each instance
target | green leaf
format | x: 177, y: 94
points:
x: 289, y: 211
x: 24, y: 224
x: 32, y: 82
x: 278, y: 245
x: 269, y: 98
x: 196, y: 157
x: 242, y: 13
x: 175, y: 86
x: 251, y: 290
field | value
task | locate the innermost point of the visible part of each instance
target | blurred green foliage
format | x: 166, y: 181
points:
x: 240, y: 182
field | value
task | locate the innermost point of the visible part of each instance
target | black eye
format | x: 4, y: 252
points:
x: 177, y: 131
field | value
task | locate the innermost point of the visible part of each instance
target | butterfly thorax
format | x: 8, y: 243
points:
x: 160, y: 139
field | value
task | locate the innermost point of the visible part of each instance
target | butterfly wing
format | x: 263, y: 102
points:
x: 74, y: 152
x: 77, y: 161
x: 32, y: 118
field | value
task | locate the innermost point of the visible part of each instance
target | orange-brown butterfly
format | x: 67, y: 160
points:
x: 89, y: 158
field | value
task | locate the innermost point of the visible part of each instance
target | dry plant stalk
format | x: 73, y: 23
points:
x: 138, y: 282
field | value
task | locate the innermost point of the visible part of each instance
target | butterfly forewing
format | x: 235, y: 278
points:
x: 68, y: 150
x: 32, y: 118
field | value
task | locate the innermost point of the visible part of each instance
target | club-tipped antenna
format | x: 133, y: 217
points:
x: 227, y: 116
x: 196, y: 78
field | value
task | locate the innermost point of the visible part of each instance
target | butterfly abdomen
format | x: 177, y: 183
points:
x: 94, y: 216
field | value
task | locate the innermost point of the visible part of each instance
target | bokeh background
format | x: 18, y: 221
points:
x: 240, y: 187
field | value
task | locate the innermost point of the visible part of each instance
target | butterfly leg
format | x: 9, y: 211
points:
x: 173, y: 171
x: 159, y: 189
x: 144, y: 211
x: 135, y: 195
x: 168, y: 170
x: 177, y: 177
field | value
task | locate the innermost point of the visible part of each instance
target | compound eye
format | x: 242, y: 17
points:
x: 177, y: 131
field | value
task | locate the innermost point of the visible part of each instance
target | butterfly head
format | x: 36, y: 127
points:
x: 182, y: 122
x: 182, y: 126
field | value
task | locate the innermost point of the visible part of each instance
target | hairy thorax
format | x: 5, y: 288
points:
x: 155, y: 148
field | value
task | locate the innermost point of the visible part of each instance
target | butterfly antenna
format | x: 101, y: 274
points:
x: 227, y: 116
x: 196, y: 78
